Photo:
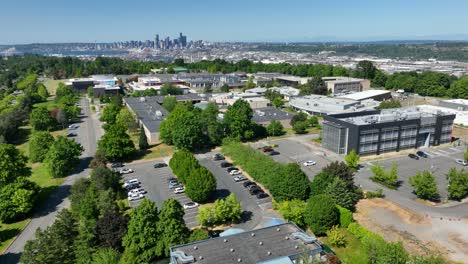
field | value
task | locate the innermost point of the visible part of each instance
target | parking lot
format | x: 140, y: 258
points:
x: 299, y: 152
x: 438, y: 162
x: 155, y: 182
x: 256, y: 210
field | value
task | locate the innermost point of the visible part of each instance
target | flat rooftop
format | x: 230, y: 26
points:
x: 364, y: 94
x: 148, y: 110
x: 322, y: 104
x: 457, y: 101
x: 395, y: 114
x: 268, y: 114
x: 341, y: 79
x: 250, y: 247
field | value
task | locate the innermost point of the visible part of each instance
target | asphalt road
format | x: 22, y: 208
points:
x: 256, y: 210
x: 89, y: 132
x: 155, y: 182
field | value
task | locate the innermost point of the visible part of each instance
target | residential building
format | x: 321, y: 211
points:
x: 281, y: 244
x: 324, y: 105
x: 388, y: 130
x: 343, y: 85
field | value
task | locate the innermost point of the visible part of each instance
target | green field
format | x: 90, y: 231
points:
x: 155, y: 150
x: 353, y: 253
x: 52, y: 85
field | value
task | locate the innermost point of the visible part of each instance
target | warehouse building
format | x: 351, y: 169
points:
x: 380, y: 131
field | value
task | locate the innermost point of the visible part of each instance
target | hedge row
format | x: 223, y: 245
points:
x: 285, y: 182
x: 198, y: 181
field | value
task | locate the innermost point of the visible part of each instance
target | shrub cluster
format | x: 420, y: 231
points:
x: 285, y: 182
x: 198, y: 181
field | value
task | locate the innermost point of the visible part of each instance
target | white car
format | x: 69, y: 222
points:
x: 131, y: 182
x: 125, y: 171
x: 239, y: 178
x: 235, y: 172
x: 73, y: 126
x: 136, y: 191
x: 461, y: 162
x: 310, y: 163
x: 190, y: 205
x: 136, y: 196
x: 179, y: 190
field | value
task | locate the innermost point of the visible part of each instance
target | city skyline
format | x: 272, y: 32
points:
x: 54, y: 21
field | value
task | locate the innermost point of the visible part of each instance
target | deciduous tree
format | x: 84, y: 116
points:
x: 41, y: 119
x: 352, y: 159
x: 62, y: 156
x: 425, y: 185
x: 458, y: 184
x: 116, y: 143
x: 39, y: 145
x: 275, y: 128
x: 173, y: 230
x: 12, y: 164
x: 110, y: 229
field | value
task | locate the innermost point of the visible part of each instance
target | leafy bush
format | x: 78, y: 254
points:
x: 292, y: 211
x: 387, y: 178
x: 346, y: 216
x: 285, y: 182
x: 375, y: 194
x: 321, y: 214
x: 335, y: 237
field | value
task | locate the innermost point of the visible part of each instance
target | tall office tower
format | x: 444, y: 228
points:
x: 157, y: 41
x: 182, y: 40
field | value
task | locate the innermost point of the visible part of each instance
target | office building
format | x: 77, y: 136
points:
x: 377, y: 95
x: 380, y: 131
x: 156, y: 82
x: 324, y: 105
x: 104, y: 84
x: 344, y: 85
x: 280, y: 244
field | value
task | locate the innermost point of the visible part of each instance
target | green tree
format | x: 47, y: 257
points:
x: 380, y: 79
x: 380, y: 175
x: 90, y: 92
x: 85, y: 243
x: 126, y: 119
x: 110, y: 112
x: 458, y: 184
x: 238, y: 120
x: 275, y: 128
x: 197, y: 235
x: 188, y: 131
x: 12, y: 164
x: 200, y: 185
x: 62, y: 157
x: 39, y: 145
x: 172, y: 228
x: 389, y: 104
x: 300, y: 127
x: 169, y: 103
x: 103, y: 179
x: 250, y: 83
x: 320, y: 183
x: 340, y: 170
x: 340, y: 192
x: 142, y: 140
x: 17, y: 199
x: 293, y: 211
x: 300, y: 117
x: 314, y: 86
x: 116, y: 143
x: 291, y: 184
x: 110, y: 229
x: 228, y: 210
x: 224, y: 88
x: 352, y: 159
x: 41, y: 119
x: 42, y: 91
x: 458, y: 90
x: 206, y: 216
x: 53, y: 245
x: 63, y: 90
x: 336, y: 237
x: 106, y: 256
x: 98, y: 160
x: 346, y: 216
x: 313, y: 121
x: 425, y: 185
x: 365, y: 69
x: 465, y: 155
x: 169, y: 89
x: 321, y: 214
x: 277, y: 102
x: 141, y: 240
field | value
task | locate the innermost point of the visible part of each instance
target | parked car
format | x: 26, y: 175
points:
x: 73, y: 126
x: 309, y: 163
x: 72, y: 134
x: 136, y: 196
x: 217, y: 156
x: 159, y: 165
x: 273, y: 153
x: 253, y: 186
x: 117, y: 165
x: 179, y: 190
x: 131, y: 182
x: 262, y: 195
x: 174, y: 184
x: 132, y: 186
x: 136, y: 191
x: 267, y: 150
x: 422, y: 154
x: 239, y: 178
x: 255, y: 191
x: 461, y: 162
x: 190, y: 205
x: 235, y: 172
x: 413, y: 156
x: 247, y: 183
x: 231, y: 169
x: 125, y: 171
x: 225, y: 164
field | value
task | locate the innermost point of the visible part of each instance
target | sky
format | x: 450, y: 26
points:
x: 49, y: 21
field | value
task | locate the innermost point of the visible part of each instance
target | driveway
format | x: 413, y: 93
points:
x: 89, y: 131
x: 257, y: 211
x: 155, y: 182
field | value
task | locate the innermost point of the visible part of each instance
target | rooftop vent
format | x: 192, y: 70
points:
x: 195, y: 247
x: 232, y: 250
x: 304, y: 237
x: 269, y: 253
x: 200, y: 257
x: 260, y: 243
x: 239, y: 260
x: 253, y: 234
x: 278, y: 229
x: 225, y: 240
x: 182, y: 257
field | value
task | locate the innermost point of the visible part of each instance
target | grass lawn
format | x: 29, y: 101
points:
x: 155, y: 150
x: 353, y: 253
x: 52, y: 85
x: 8, y: 233
x: 48, y: 104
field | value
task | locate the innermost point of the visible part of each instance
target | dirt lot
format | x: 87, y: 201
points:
x: 421, y: 234
x: 460, y: 132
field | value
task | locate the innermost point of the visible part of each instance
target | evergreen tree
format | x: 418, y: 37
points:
x: 172, y: 228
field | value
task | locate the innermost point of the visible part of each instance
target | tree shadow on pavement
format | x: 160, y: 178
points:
x: 10, y: 258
